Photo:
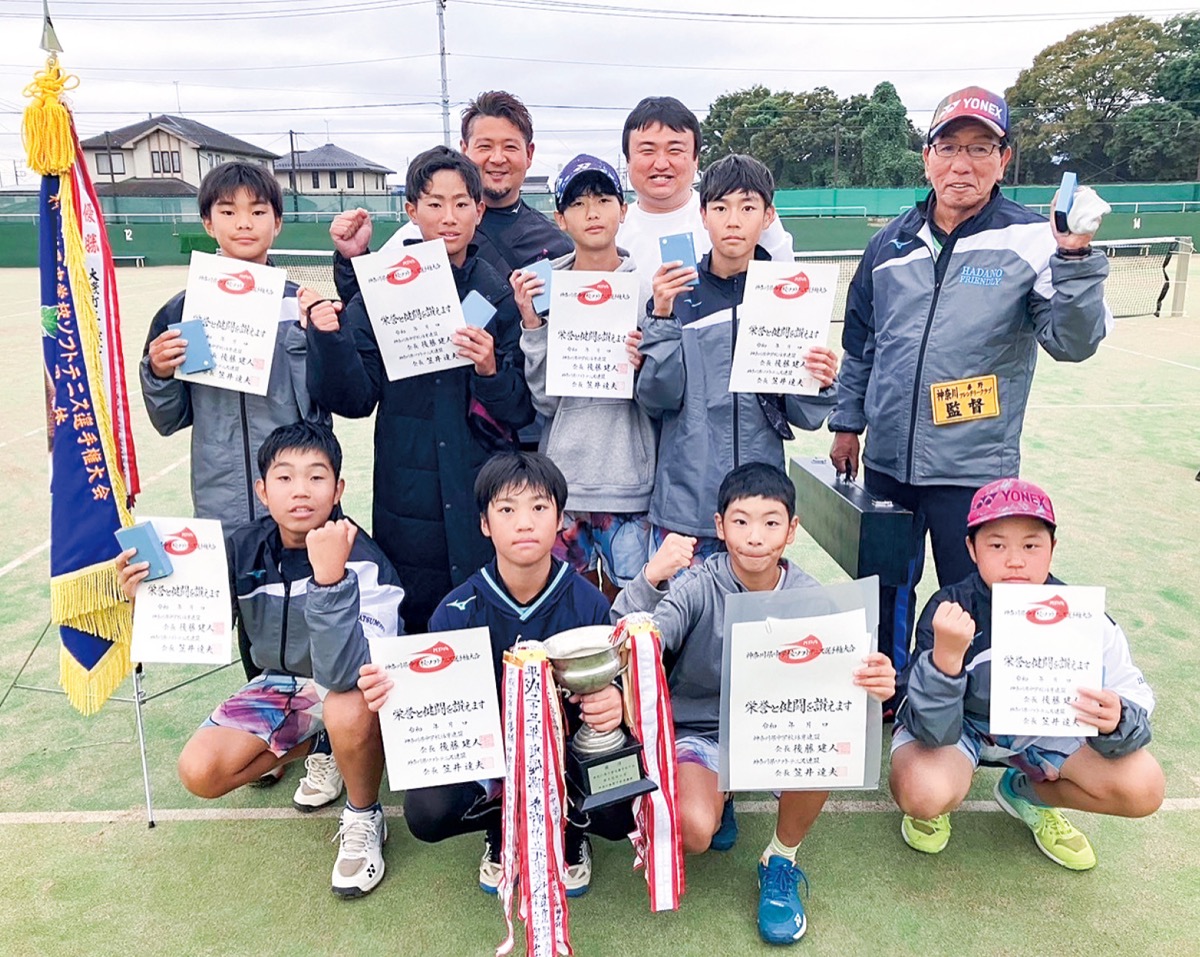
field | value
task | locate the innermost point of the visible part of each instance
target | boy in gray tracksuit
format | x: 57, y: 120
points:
x: 605, y: 447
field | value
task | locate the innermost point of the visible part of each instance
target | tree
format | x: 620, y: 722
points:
x: 1158, y: 141
x: 1068, y: 101
x: 887, y: 140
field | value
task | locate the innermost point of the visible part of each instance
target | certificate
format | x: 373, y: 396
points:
x: 796, y: 720
x: 413, y: 305
x: 787, y: 307
x: 441, y: 720
x: 241, y: 306
x: 186, y: 617
x: 591, y: 313
x: 1047, y: 643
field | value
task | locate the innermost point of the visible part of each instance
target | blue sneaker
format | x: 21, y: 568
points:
x: 781, y: 917
x: 727, y: 833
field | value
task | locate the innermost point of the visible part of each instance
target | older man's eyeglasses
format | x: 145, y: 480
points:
x: 975, y: 151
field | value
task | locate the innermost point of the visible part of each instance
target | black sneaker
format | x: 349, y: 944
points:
x: 490, y: 869
x: 577, y: 872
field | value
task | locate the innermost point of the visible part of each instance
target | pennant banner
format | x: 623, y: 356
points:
x: 93, y: 473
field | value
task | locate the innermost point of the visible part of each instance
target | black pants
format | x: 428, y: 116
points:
x: 434, y: 814
x: 940, y: 510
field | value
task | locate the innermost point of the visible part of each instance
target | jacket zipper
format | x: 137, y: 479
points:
x: 737, y: 452
x: 287, y: 601
x: 246, y: 459
x: 939, y: 273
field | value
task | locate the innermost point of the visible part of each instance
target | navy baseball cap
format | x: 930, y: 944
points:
x: 583, y: 163
x: 972, y: 103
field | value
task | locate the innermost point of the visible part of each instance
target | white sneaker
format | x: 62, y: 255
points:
x: 359, y: 864
x: 321, y: 784
x: 577, y: 877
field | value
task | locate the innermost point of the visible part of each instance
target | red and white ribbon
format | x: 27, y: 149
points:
x: 658, y: 840
x: 534, y: 794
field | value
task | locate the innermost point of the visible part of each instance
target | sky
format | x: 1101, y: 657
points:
x: 365, y: 74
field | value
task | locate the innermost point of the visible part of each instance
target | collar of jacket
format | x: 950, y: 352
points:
x: 923, y: 212
x: 705, y: 267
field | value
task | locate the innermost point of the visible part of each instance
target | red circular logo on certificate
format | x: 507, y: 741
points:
x: 798, y: 652
x: 237, y: 283
x: 182, y: 542
x: 1048, y: 612
x: 595, y: 294
x: 432, y: 659
x: 406, y: 270
x: 793, y: 287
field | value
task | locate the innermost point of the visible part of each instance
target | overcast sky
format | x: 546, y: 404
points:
x: 364, y: 73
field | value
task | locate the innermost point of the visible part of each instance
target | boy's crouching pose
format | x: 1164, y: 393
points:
x: 756, y: 520
x: 308, y: 583
x: 942, y: 732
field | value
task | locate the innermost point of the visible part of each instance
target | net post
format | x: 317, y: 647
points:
x: 1183, y: 258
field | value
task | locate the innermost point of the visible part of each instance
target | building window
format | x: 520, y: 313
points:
x: 156, y: 161
x: 350, y: 179
x: 176, y: 166
x: 316, y: 180
x: 333, y: 179
x: 108, y: 163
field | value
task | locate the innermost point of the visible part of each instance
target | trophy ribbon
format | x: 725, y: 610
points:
x: 532, y: 847
x: 658, y: 839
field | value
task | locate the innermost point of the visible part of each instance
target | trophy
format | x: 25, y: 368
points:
x: 602, y: 768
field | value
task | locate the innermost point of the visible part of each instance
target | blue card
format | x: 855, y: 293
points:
x: 198, y: 357
x: 1062, y: 205
x: 145, y: 542
x: 477, y: 311
x: 679, y: 248
x: 543, y: 270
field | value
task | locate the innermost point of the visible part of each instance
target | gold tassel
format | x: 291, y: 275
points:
x: 88, y: 690
x: 46, y: 127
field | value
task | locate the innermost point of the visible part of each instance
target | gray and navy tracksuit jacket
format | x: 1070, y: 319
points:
x: 915, y: 318
x: 288, y: 624
x: 706, y: 429
x: 935, y: 704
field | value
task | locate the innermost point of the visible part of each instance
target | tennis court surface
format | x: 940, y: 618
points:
x: 1116, y: 441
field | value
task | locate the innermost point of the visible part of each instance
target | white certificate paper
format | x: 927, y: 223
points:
x: 414, y: 309
x: 241, y: 306
x: 1047, y: 643
x: 441, y: 720
x: 796, y: 720
x: 787, y: 307
x: 187, y: 617
x: 591, y: 313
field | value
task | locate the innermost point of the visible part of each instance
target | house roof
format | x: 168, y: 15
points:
x: 328, y: 156
x: 146, y: 186
x: 202, y: 136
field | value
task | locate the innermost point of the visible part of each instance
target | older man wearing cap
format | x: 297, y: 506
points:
x: 943, y: 320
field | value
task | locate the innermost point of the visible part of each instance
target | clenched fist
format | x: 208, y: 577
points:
x: 953, y: 632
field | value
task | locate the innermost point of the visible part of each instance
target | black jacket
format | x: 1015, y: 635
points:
x: 428, y: 449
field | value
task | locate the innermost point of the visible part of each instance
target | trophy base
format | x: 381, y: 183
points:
x: 599, y: 780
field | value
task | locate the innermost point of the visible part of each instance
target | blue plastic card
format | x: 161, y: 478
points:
x: 198, y: 357
x: 543, y: 270
x: 1062, y: 205
x: 679, y: 248
x: 477, y: 311
x: 144, y: 540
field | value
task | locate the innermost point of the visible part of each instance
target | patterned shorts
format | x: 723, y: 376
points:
x: 282, y: 710
x: 617, y: 541
x: 697, y: 749
x: 1040, y: 758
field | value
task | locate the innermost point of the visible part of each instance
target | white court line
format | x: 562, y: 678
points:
x: 1117, y: 405
x: 395, y: 811
x: 38, y: 549
x: 1143, y: 355
x: 40, y: 430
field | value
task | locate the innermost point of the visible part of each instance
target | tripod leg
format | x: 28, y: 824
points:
x: 138, y: 697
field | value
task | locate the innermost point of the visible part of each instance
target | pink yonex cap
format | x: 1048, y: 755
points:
x: 1007, y: 497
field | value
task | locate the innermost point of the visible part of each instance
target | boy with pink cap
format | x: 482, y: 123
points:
x: 942, y: 733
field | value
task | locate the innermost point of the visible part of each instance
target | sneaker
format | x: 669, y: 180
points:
x: 321, y: 784
x: 490, y: 869
x: 928, y: 837
x: 1054, y: 835
x: 359, y: 864
x: 577, y: 874
x: 781, y: 917
x: 271, y: 778
x: 727, y: 833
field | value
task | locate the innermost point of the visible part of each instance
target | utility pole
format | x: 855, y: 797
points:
x: 837, y: 152
x: 292, y: 172
x: 178, y: 102
x: 441, y: 9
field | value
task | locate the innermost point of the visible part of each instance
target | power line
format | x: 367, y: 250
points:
x: 191, y: 15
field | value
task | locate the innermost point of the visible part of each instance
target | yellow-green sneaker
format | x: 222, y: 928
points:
x: 928, y: 837
x: 1055, y: 836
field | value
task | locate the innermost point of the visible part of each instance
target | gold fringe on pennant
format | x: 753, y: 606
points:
x: 91, y: 600
x: 88, y: 690
x: 46, y: 126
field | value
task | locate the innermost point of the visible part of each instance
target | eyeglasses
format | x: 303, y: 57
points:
x: 975, y: 151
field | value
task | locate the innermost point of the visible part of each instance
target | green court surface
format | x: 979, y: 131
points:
x: 1115, y: 441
